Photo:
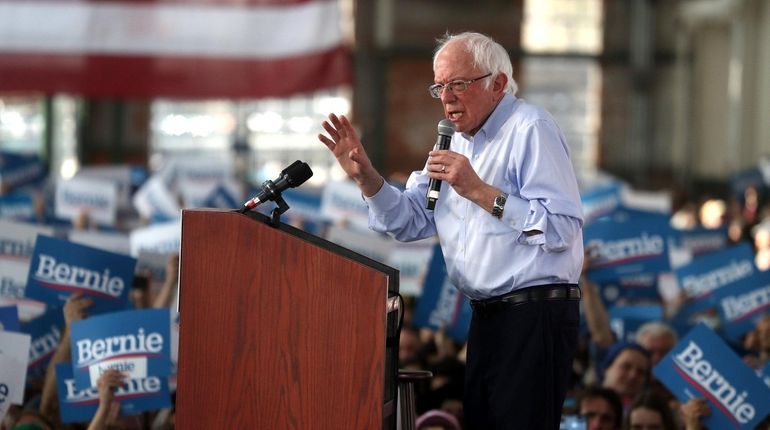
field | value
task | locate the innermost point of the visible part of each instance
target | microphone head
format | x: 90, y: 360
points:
x: 446, y: 127
x: 297, y: 173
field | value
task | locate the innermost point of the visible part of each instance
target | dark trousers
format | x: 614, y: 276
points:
x: 519, y: 363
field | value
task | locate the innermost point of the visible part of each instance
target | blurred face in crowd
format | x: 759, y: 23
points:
x: 763, y: 334
x: 598, y: 413
x: 408, y: 346
x: 628, y: 373
x: 657, y: 345
x: 643, y: 418
x: 469, y: 109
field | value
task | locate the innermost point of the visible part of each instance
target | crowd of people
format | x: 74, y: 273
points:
x: 536, y: 314
x: 612, y: 385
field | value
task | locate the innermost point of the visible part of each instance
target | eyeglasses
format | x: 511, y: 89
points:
x: 455, y: 87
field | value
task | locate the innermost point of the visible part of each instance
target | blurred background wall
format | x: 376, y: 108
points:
x: 663, y: 94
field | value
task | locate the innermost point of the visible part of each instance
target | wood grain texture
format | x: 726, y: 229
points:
x: 276, y: 332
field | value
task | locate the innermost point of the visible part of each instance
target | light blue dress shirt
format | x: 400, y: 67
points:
x: 521, y: 151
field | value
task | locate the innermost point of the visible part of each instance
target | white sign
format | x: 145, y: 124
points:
x: 341, y: 202
x: 154, y: 198
x: 163, y: 238
x: 17, y: 240
x: 364, y: 242
x: 96, y: 197
x: 118, y: 243
x: 13, y: 282
x: 14, y: 357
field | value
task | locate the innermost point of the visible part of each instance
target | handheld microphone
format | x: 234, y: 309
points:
x: 293, y: 176
x: 445, y: 131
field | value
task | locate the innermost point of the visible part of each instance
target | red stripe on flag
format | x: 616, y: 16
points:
x: 174, y: 77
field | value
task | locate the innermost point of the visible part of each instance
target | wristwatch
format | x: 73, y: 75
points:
x: 498, y: 205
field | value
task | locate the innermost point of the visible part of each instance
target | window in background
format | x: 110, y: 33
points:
x: 22, y: 124
x: 562, y: 40
x: 273, y: 132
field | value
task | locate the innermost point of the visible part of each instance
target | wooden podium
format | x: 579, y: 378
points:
x: 280, y: 329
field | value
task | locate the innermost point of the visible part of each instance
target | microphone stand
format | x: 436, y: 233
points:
x: 275, y: 215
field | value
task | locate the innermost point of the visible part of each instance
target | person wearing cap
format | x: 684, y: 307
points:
x: 509, y: 221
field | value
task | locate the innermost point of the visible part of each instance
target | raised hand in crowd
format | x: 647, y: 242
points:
x: 166, y: 293
x: 693, y: 411
x: 75, y: 309
x: 108, y: 409
x: 594, y: 311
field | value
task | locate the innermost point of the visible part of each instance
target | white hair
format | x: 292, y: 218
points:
x: 656, y: 329
x: 487, y: 55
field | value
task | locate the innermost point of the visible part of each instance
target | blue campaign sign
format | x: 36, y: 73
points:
x: 764, y: 374
x: 45, y: 333
x: 600, y: 201
x: 628, y: 248
x: 17, y: 170
x: 707, y: 273
x: 702, y: 240
x: 134, y: 342
x: 221, y: 197
x: 9, y: 318
x: 640, y: 287
x: 626, y: 320
x: 139, y: 395
x: 18, y: 206
x: 60, y: 268
x: 742, y: 303
x: 441, y: 304
x: 702, y: 365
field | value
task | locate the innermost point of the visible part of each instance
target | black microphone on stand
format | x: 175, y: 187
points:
x: 293, y: 176
x: 445, y: 131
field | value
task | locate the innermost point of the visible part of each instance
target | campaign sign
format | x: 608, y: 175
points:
x: 764, y: 374
x: 222, y: 196
x: 639, y: 287
x: 134, y: 342
x: 702, y: 365
x: 707, y: 273
x: 600, y: 201
x: 17, y: 239
x: 13, y: 281
x: 97, y: 198
x: 153, y: 200
x: 628, y: 248
x: 365, y: 242
x: 412, y: 259
x: 135, y: 396
x: 9, y: 318
x: 702, y: 240
x: 342, y: 201
x: 118, y: 243
x: 45, y: 333
x: 165, y: 238
x: 441, y: 304
x: 742, y: 303
x: 626, y: 320
x: 14, y: 350
x: 61, y: 268
x: 17, y: 170
x: 10, y: 388
x: 18, y: 206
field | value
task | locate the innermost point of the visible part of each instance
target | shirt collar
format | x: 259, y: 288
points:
x: 499, y: 115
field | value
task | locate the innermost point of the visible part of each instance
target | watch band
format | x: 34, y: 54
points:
x: 498, y: 205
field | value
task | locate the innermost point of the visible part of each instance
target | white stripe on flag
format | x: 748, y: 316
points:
x: 214, y: 31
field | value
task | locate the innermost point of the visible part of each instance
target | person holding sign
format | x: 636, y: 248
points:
x: 509, y: 222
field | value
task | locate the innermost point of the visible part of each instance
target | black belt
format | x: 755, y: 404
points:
x: 529, y: 294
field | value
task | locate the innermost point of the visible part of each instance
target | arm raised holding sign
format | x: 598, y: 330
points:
x: 74, y: 310
x: 108, y: 409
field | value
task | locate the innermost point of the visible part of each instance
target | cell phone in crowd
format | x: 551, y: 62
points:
x: 572, y: 422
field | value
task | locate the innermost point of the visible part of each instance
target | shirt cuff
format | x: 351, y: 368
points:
x: 516, y: 212
x: 384, y: 199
